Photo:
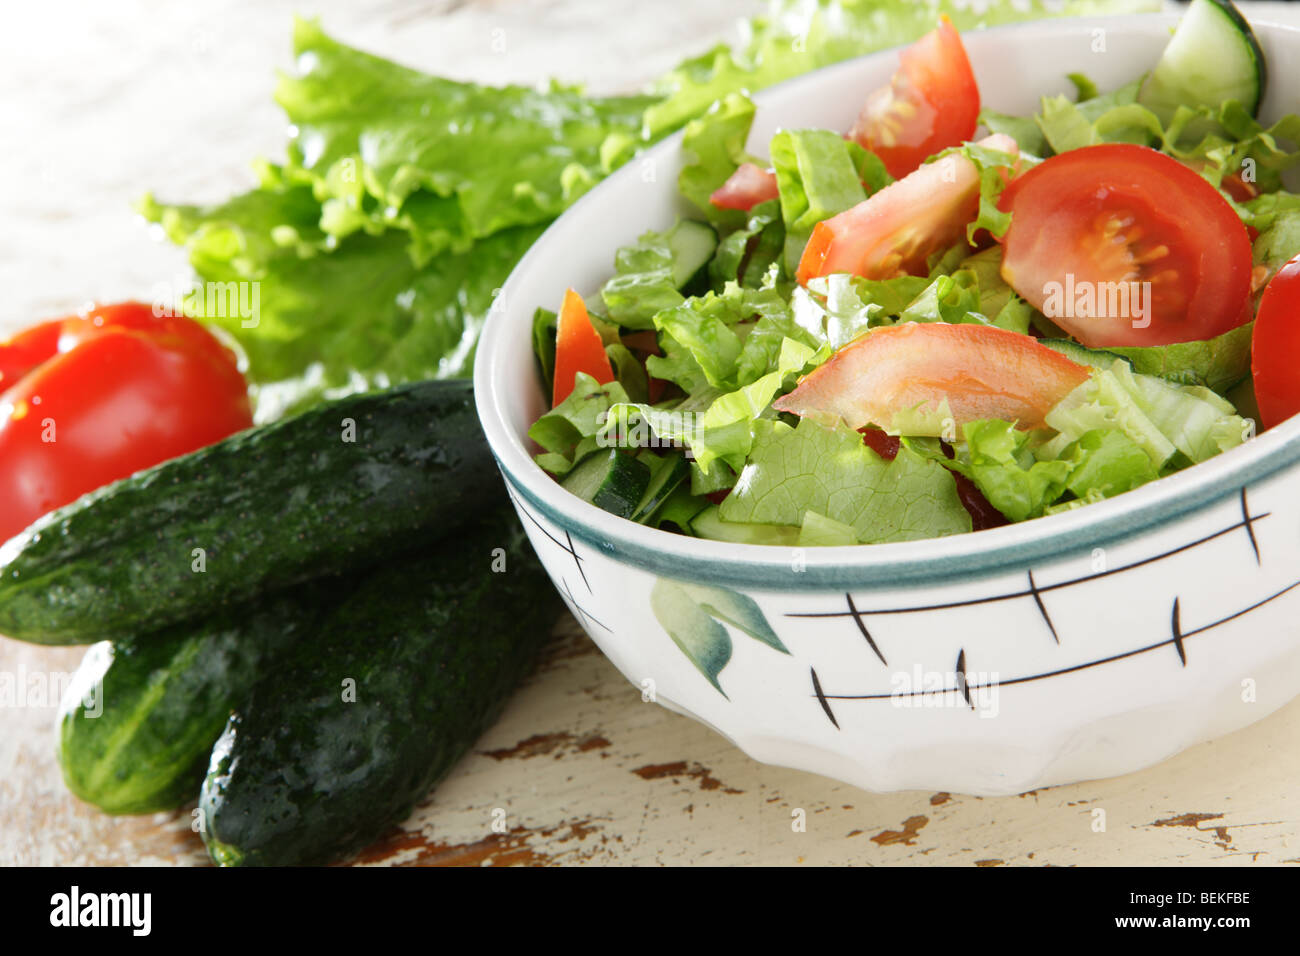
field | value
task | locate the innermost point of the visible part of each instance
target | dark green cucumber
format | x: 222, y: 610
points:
x: 262, y: 510
x: 610, y: 479
x: 667, y: 474
x: 139, y: 720
x: 393, y: 688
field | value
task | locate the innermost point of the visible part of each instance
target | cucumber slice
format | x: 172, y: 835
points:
x: 610, y: 480
x: 1093, y: 358
x: 708, y: 524
x: 1212, y: 57
x: 679, y: 509
x: 667, y: 474
x: 692, y: 244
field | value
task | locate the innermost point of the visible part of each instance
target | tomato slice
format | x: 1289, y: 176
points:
x: 1275, y: 347
x: 893, y: 231
x: 1121, y: 245
x: 931, y: 103
x: 578, y: 348
x: 744, y: 189
x: 982, y: 372
x: 112, y: 400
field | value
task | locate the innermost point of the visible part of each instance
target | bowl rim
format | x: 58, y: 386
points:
x: 925, y: 561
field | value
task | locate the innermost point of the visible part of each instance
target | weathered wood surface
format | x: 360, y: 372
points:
x: 104, y: 101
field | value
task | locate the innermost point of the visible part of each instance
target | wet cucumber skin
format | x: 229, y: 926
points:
x: 261, y: 510
x: 137, y: 727
x: 434, y: 646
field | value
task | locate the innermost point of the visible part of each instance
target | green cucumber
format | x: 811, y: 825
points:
x: 1092, y: 358
x: 667, y: 474
x: 709, y: 524
x: 139, y: 719
x: 610, y: 479
x: 1212, y: 57
x: 394, y: 687
x: 692, y: 244
x: 332, y: 489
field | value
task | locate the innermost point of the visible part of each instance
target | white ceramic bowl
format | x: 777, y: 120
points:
x: 1077, y: 646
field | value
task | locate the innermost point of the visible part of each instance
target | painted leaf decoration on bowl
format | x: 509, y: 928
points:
x: 694, y: 615
x: 703, y: 640
x: 738, y: 610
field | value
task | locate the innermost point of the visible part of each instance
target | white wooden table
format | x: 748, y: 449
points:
x: 101, y: 102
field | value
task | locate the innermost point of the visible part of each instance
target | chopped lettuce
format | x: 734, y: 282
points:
x: 573, y: 426
x: 998, y: 461
x: 645, y: 280
x: 713, y: 147
x: 1218, y: 363
x: 1162, y: 418
x: 746, y: 255
x: 829, y: 471
x: 1001, y: 461
x: 819, y: 174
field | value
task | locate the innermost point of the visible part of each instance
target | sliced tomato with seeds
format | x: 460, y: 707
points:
x: 893, y: 231
x: 1121, y: 245
x: 931, y: 103
x: 981, y: 371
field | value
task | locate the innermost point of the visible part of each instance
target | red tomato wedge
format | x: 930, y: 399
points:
x: 931, y: 103
x: 982, y: 372
x: 744, y: 189
x: 578, y: 348
x: 893, y: 231
x: 1121, y: 245
x: 1275, y: 347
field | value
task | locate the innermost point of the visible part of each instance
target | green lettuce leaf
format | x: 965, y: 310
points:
x: 573, y: 426
x: 1164, y: 419
x: 810, y: 467
x: 817, y: 177
x: 645, y: 281
x: 713, y: 147
x: 746, y: 255
x: 997, y: 459
x: 369, y: 135
x: 1218, y: 363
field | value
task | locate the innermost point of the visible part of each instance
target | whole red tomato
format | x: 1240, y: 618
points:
x: 99, y: 396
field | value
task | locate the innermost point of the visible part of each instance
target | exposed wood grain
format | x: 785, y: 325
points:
x: 176, y: 98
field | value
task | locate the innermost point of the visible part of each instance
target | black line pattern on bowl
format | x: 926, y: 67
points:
x: 563, y: 546
x: 963, y: 685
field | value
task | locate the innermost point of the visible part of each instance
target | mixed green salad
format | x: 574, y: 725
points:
x: 908, y: 332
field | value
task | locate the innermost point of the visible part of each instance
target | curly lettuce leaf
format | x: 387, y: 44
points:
x: 371, y: 135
